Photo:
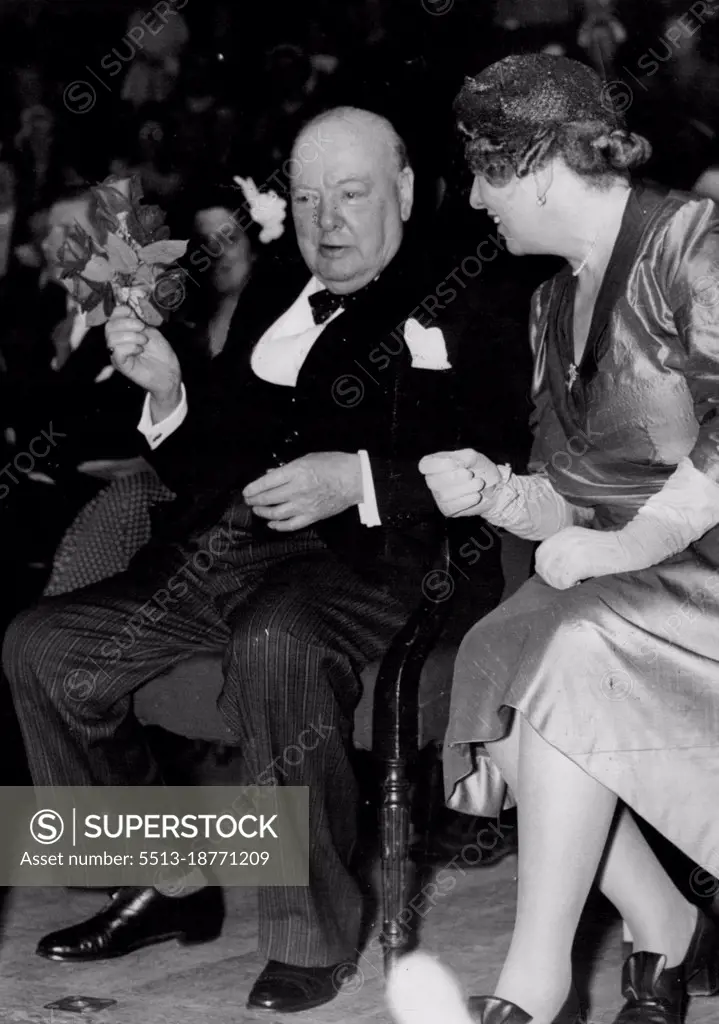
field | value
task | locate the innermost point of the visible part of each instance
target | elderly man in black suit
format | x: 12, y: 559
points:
x: 303, y: 449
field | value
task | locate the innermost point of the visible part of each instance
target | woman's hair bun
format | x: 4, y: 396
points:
x: 622, y: 150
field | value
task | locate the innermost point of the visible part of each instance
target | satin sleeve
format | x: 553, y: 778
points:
x: 691, y: 247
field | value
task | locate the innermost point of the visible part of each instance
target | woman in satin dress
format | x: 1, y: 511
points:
x: 593, y: 692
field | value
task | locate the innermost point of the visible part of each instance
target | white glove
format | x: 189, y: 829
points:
x: 457, y: 480
x: 466, y: 483
x: 684, y: 509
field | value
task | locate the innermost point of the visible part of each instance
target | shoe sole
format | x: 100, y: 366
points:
x: 298, y: 1009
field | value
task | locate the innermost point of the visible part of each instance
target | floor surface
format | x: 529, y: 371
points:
x: 469, y: 928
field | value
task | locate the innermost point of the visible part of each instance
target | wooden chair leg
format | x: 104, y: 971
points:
x: 394, y: 853
x: 428, y: 801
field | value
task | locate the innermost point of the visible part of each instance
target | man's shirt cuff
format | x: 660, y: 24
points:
x: 156, y: 433
x: 368, y: 508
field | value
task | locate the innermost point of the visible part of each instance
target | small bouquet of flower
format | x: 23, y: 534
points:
x: 128, y: 259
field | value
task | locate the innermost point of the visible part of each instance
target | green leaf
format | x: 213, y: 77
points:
x: 93, y: 299
x: 98, y: 268
x: 111, y: 198
x: 146, y: 311
x: 98, y: 287
x: 122, y: 257
x: 101, y: 218
x: 144, y: 276
x: 163, y: 252
x: 97, y: 316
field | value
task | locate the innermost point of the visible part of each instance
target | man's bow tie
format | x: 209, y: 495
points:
x: 324, y: 304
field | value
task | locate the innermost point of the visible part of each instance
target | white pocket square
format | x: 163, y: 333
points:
x: 426, y: 346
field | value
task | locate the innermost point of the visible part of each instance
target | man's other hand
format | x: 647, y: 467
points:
x: 144, y: 356
x: 306, y: 490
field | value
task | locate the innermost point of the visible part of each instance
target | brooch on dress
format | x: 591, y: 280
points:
x: 572, y: 374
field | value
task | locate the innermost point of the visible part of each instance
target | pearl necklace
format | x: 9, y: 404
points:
x: 585, y: 261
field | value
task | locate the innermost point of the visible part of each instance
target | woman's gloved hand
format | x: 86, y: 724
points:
x: 460, y: 481
x: 685, y: 508
x: 466, y: 483
x: 576, y: 554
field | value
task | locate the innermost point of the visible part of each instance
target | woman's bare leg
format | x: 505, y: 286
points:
x: 565, y: 819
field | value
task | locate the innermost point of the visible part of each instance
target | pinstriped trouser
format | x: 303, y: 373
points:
x: 296, y: 627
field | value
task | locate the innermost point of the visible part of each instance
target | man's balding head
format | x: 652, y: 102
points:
x: 359, y: 121
x: 352, y: 191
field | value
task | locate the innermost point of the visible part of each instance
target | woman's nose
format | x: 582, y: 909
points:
x: 475, y: 197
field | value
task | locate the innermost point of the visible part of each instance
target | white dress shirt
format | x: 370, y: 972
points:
x: 277, y: 358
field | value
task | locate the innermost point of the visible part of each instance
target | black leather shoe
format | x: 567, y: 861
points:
x: 653, y: 994
x: 490, y: 1010
x: 701, y: 964
x: 285, y: 988
x: 135, y: 918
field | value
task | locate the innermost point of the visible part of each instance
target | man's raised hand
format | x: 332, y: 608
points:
x: 144, y: 356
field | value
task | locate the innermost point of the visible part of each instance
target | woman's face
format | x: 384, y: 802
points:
x: 514, y: 208
x: 233, y: 266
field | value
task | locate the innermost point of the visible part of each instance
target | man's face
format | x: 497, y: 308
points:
x: 349, y: 202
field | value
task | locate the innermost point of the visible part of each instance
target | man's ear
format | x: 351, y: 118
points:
x: 405, y: 187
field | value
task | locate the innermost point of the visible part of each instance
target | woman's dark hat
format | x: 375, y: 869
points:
x: 527, y: 93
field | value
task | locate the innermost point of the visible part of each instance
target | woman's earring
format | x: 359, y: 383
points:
x: 541, y: 200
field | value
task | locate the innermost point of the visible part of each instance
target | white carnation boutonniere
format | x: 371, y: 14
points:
x: 266, y: 209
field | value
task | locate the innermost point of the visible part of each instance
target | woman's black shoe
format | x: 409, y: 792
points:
x: 135, y: 918
x: 490, y: 1010
x: 653, y: 993
x: 660, y: 996
x: 701, y: 964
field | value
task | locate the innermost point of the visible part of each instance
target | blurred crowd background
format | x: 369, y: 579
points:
x: 189, y: 93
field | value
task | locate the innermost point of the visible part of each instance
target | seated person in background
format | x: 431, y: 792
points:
x: 218, y: 275
x: 300, y: 457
